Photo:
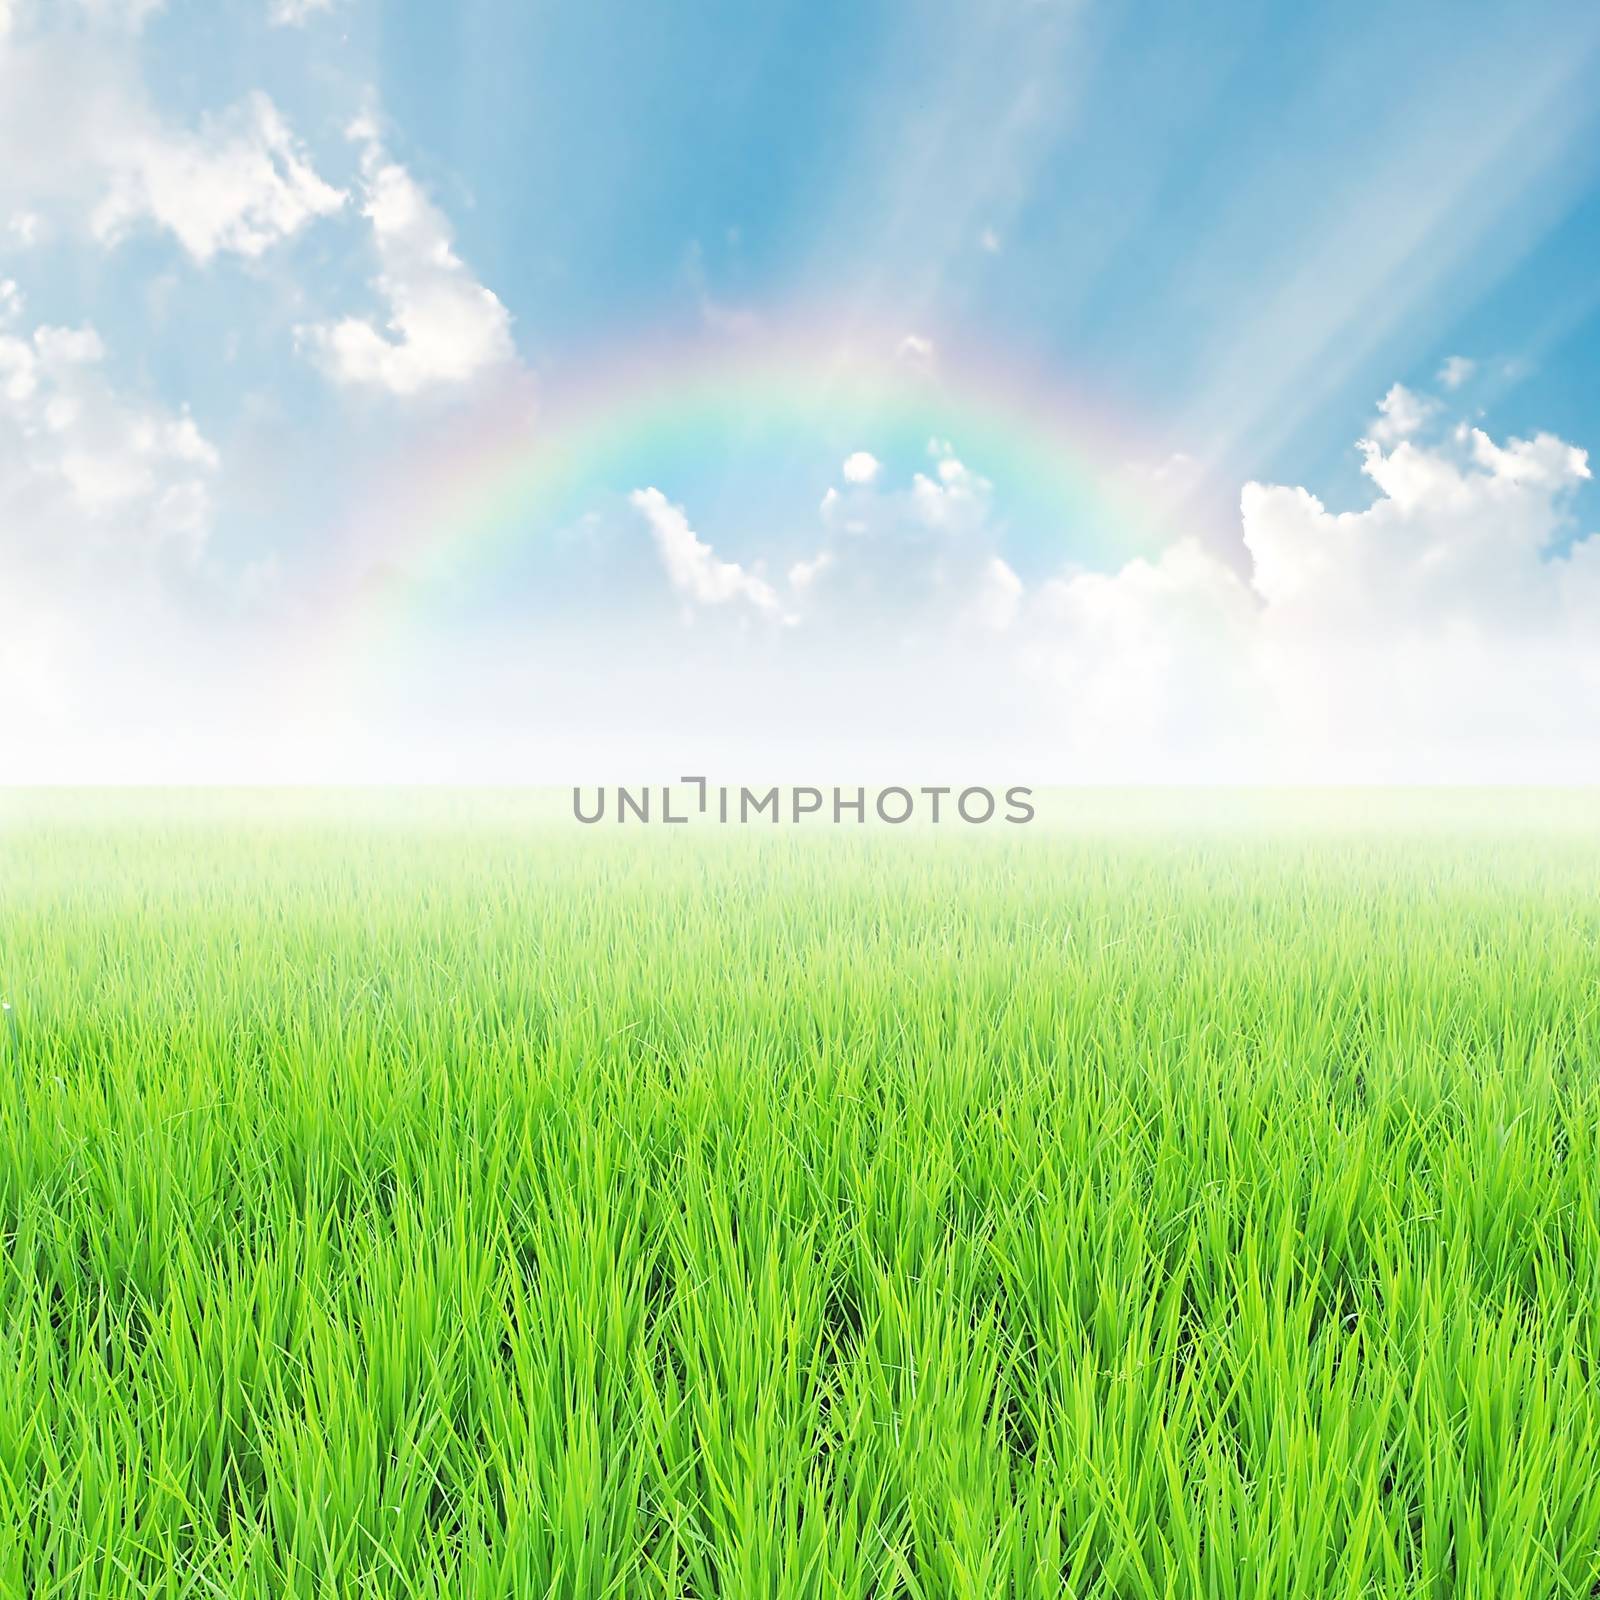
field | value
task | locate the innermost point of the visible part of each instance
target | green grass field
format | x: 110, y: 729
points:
x: 429, y: 1197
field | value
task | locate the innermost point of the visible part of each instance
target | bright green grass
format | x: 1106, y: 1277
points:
x: 407, y: 1198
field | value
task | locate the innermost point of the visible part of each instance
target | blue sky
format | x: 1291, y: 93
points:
x: 260, y: 256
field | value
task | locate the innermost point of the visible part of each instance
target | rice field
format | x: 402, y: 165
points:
x: 423, y: 1196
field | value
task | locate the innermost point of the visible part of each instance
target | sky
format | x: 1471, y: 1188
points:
x: 993, y: 390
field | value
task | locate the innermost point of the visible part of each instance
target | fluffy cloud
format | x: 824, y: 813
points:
x: 900, y: 564
x: 1456, y: 371
x: 805, y: 573
x: 1144, y: 664
x: 82, y: 144
x: 241, y: 184
x: 82, y: 464
x: 83, y: 468
x: 1459, y: 527
x: 1447, y: 630
x: 443, y: 327
x: 692, y: 566
x: 913, y: 558
x: 1444, y: 630
x: 998, y: 596
x: 1401, y: 414
x: 101, y: 492
x: 955, y: 498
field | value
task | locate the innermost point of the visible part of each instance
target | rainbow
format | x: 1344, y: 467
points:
x: 527, y: 461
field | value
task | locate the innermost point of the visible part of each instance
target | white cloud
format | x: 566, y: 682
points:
x: 295, y: 13
x: 805, y: 573
x: 692, y: 566
x: 443, y: 327
x: 241, y: 184
x: 1432, y: 634
x: 1446, y: 630
x: 1401, y: 414
x: 1456, y: 371
x: 957, y: 499
x: 82, y: 464
x: 1462, y: 528
x: 1141, y: 663
x: 989, y: 242
x: 998, y: 596
x: 106, y: 510
x: 1543, y: 461
x: 922, y: 554
x: 81, y: 144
